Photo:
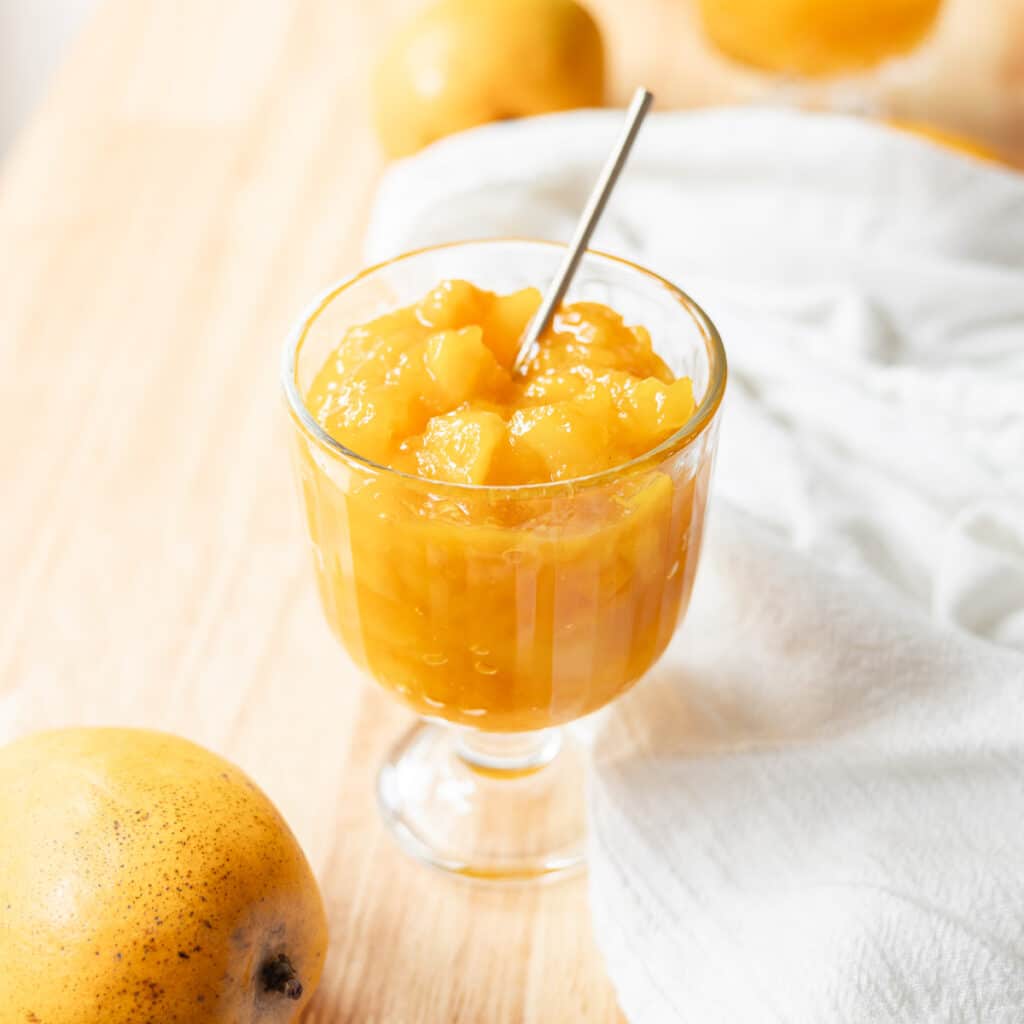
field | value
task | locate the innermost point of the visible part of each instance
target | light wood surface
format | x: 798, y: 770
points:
x: 198, y: 171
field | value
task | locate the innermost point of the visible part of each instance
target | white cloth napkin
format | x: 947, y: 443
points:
x: 813, y: 811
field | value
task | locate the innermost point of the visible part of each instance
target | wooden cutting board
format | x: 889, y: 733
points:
x: 197, y: 173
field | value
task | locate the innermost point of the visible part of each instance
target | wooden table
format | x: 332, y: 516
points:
x: 198, y: 172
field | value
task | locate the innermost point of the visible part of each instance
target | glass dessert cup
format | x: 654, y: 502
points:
x: 501, y: 613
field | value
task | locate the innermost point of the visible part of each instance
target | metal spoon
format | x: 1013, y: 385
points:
x: 641, y: 103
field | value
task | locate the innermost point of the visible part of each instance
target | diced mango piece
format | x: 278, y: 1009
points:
x: 590, y: 323
x: 452, y: 304
x: 642, y: 336
x: 364, y: 423
x: 460, y: 446
x: 369, y: 353
x: 553, y: 386
x: 505, y: 322
x: 462, y: 366
x: 653, y: 410
x: 571, y: 437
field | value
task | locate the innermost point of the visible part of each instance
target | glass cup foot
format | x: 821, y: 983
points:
x: 491, y: 807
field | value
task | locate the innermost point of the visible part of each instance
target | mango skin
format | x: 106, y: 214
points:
x: 461, y: 63
x: 144, y: 880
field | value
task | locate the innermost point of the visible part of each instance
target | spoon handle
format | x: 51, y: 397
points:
x: 641, y: 103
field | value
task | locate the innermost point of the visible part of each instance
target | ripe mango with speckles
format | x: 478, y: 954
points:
x: 142, y: 879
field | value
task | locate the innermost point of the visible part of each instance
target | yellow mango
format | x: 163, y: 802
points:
x: 144, y: 879
x: 460, y: 63
x: 816, y: 37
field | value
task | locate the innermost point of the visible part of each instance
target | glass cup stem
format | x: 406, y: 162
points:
x: 507, y: 754
x: 495, y: 807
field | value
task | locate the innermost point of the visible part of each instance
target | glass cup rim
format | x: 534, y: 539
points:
x: 699, y: 421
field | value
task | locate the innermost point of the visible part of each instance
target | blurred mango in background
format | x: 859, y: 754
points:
x: 866, y: 46
x: 951, y: 71
x: 816, y: 37
x: 460, y: 63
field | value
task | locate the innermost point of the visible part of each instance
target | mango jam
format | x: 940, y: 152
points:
x: 429, y: 390
x: 502, y: 606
